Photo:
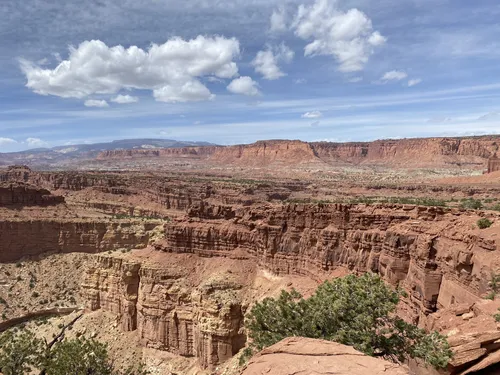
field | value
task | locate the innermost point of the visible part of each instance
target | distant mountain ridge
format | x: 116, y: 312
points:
x: 54, y: 155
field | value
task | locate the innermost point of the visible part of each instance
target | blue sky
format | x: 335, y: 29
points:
x: 236, y: 71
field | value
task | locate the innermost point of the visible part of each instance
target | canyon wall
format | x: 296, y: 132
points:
x: 436, y: 254
x: 169, y: 312
x: 25, y: 195
x: 416, y: 152
x: 494, y: 164
x: 23, y: 238
x: 469, y: 152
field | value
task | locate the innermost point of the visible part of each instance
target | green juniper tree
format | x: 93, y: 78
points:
x: 354, y: 310
x: 21, y: 353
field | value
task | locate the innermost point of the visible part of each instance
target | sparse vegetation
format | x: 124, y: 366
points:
x: 21, y: 352
x: 497, y: 316
x: 354, y: 310
x: 494, y: 285
x: 471, y: 204
x: 375, y: 200
x: 484, y: 223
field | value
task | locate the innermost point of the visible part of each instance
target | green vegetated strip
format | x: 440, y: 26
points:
x: 355, y: 310
x: 466, y: 203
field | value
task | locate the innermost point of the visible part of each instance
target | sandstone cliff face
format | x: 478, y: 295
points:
x: 432, y: 252
x: 493, y: 164
x: 168, y: 310
x: 418, y: 152
x: 435, y: 254
x: 22, y: 238
x: 472, y: 152
x: 24, y: 195
x: 265, y: 153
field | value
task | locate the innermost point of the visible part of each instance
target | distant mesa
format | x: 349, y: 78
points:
x: 473, y: 153
x: 469, y: 152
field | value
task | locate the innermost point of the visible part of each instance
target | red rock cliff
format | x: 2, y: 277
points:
x: 436, y: 254
x: 472, y: 152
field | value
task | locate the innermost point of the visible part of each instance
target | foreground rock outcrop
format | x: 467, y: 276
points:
x: 299, y: 355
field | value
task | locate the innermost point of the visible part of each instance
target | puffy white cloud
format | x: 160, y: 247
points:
x: 7, y: 141
x: 244, y: 86
x: 266, y: 62
x: 278, y: 21
x: 171, y: 70
x: 414, y: 82
x: 96, y: 103
x: 36, y: 142
x: 347, y: 36
x: 191, y: 91
x: 312, y: 114
x: 377, y: 39
x: 394, y: 75
x: 125, y: 99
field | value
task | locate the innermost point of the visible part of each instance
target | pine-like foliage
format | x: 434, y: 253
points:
x: 22, y: 353
x: 354, y: 310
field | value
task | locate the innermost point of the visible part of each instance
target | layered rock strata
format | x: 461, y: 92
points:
x: 437, y: 255
x: 23, y: 237
x: 494, y: 164
x: 16, y: 194
x: 169, y: 312
x: 470, y: 152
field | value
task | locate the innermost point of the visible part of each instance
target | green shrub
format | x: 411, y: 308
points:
x: 471, y: 204
x: 484, y: 223
x: 354, y: 310
x: 21, y: 352
x: 497, y: 316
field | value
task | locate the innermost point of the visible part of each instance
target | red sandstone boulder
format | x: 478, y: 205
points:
x: 299, y: 355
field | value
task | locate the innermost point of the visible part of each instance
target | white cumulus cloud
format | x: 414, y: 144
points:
x: 266, y: 62
x: 6, y: 141
x: 394, y: 75
x: 96, y: 103
x: 278, y: 21
x: 171, y: 70
x: 125, y: 99
x: 414, y: 82
x: 312, y: 114
x: 347, y: 36
x: 244, y: 86
x: 36, y: 142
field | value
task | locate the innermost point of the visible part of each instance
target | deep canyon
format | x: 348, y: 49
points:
x: 178, y: 258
